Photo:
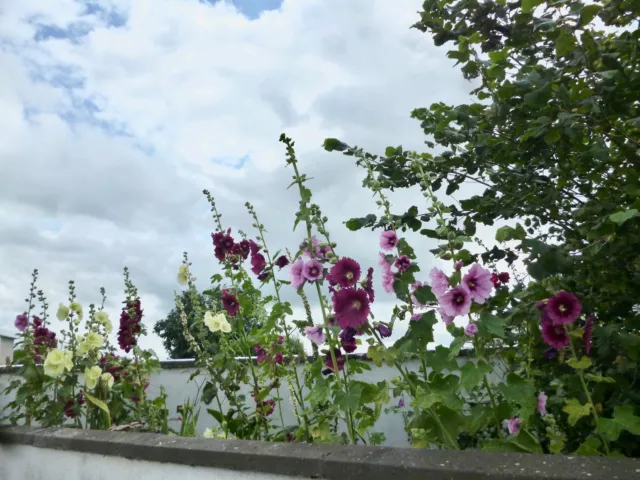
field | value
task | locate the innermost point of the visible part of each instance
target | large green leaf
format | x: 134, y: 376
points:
x: 522, y: 392
x: 576, y: 410
x: 472, y: 374
x: 100, y: 404
x: 490, y: 325
x: 623, y: 419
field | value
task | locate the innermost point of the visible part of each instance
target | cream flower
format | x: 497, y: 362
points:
x: 63, y: 312
x: 91, y: 376
x: 68, y: 360
x: 183, y: 275
x: 103, y: 318
x: 107, y: 379
x: 94, y: 340
x: 57, y: 361
x: 77, y: 308
x: 83, y: 349
x: 208, y: 433
x: 217, y: 322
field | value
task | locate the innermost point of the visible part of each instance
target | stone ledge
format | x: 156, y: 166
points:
x: 324, y: 461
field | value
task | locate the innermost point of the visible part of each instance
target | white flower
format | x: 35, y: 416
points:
x: 63, y: 312
x: 57, y: 361
x: 217, y: 322
x: 103, y: 318
x: 94, y: 340
x: 76, y: 307
x: 91, y: 376
x: 183, y: 275
x: 208, y: 433
x: 107, y: 379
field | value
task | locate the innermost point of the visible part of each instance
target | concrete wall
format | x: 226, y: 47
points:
x: 6, y: 349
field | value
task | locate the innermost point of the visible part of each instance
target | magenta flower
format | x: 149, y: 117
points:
x: 261, y: 354
x: 388, y: 240
x: 445, y: 318
x: 253, y: 247
x: 230, y: 303
x: 478, y: 282
x: 513, y: 425
x: 542, y: 403
x: 471, y: 329
x: 328, y: 361
x: 21, y: 322
x: 305, y: 246
x: 258, y: 262
x: 315, y: 334
x: 553, y: 335
x: 504, y: 277
x: 282, y: 262
x: 563, y: 308
x: 439, y: 282
x: 458, y: 265
x: 588, y: 332
x: 277, y: 359
x: 295, y: 271
x: 456, y: 301
x: 368, y: 285
x: 36, y: 321
x: 312, y: 270
x: 416, y: 316
x: 383, y: 330
x: 403, y: 263
x: 401, y: 403
x: 542, y: 304
x: 348, y: 340
x: 346, y: 273
x: 280, y: 339
x: 266, y: 408
x: 351, y: 307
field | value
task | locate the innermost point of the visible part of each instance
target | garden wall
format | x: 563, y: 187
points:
x: 66, y: 454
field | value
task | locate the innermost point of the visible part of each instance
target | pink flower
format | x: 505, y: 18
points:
x: 588, y: 332
x: 403, y: 263
x: 563, y: 308
x: 351, y: 307
x: 542, y: 403
x: 295, y: 271
x: 388, y: 281
x: 21, y: 322
x: 346, y: 273
x: 513, y: 425
x: 471, y: 329
x: 401, y: 403
x: 478, y: 282
x: 456, y: 301
x: 459, y: 264
x: 312, y: 270
x: 439, y: 282
x: 315, y: 334
x: 305, y: 245
x: 388, y: 240
x: 553, y: 335
x: 445, y: 318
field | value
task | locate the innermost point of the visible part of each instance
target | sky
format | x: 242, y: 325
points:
x: 116, y: 114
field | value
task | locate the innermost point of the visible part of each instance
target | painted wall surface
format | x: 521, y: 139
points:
x: 6, y: 349
x: 22, y: 462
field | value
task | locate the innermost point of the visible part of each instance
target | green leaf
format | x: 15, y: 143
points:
x: 331, y: 144
x: 472, y: 374
x: 583, y: 363
x: 520, y: 391
x: 504, y: 234
x: 599, y: 379
x: 439, y: 360
x: 576, y: 410
x: 319, y: 393
x: 456, y: 346
x: 526, y: 442
x: 100, y: 404
x: 354, y: 224
x: 405, y: 249
x: 490, y: 325
x: 529, y: 5
x: 349, y: 400
x: 565, y: 43
x: 424, y: 295
x: 589, y: 447
x: 422, y: 329
x: 588, y: 13
x: 623, y: 215
x: 623, y: 419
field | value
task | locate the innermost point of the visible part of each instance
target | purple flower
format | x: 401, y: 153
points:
x: 282, y: 262
x: 295, y: 271
x: 263, y: 276
x: 388, y: 281
x: 261, y: 354
x: 542, y: 304
x: 563, y: 308
x: 588, y: 332
x: 230, y: 303
x: 258, y: 263
x: 253, y: 247
x: 416, y: 316
x: 542, y: 403
x: 351, y: 307
x: 513, y: 425
x: 478, y: 282
x: 459, y: 264
x: 368, y: 285
x: 315, y: 334
x: 21, y: 322
x: 504, y: 277
x: 328, y: 361
x: 456, y: 301
x: 36, y: 321
x: 312, y: 270
x: 266, y: 408
x: 471, y: 329
x: 388, y: 240
x: 383, y: 330
x: 445, y: 318
x: 550, y: 353
x: 403, y: 263
x: 401, y: 403
x: 305, y: 246
x: 348, y: 340
x: 439, y: 282
x: 553, y: 335
x: 280, y: 339
x: 277, y: 359
x: 346, y: 273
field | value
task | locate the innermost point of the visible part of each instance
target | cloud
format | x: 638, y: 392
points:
x: 116, y: 114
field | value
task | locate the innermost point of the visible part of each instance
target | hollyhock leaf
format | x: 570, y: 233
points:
x: 623, y: 215
x: 422, y: 330
x: 504, y: 234
x: 583, y: 363
x: 424, y: 295
x: 405, y: 249
x: 522, y: 392
x: 590, y: 447
x: 351, y: 400
x: 320, y: 393
x: 355, y: 224
x: 526, y: 442
x: 331, y: 144
x: 100, y: 404
x: 490, y: 325
x: 623, y: 419
x: 439, y: 360
x: 472, y: 374
x: 575, y: 410
x: 599, y: 379
x: 456, y: 346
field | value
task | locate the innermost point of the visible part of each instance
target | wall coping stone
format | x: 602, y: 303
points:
x: 339, y: 462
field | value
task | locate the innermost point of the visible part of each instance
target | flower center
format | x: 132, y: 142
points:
x: 562, y: 308
x: 356, y: 305
x: 314, y: 271
x: 349, y: 275
x: 471, y: 284
x: 459, y: 299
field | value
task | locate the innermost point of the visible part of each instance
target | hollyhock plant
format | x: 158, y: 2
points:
x: 282, y: 261
x: 402, y: 263
x: 388, y: 240
x: 346, y: 273
x: 266, y: 407
x: 261, y: 353
x: 368, y: 285
x: 553, y: 335
x: 513, y: 425
x: 328, y: 361
x: 21, y: 322
x: 563, y: 308
x: 258, y: 263
x: 315, y: 334
x: 456, y: 302
x: 447, y: 319
x: 542, y: 404
x: 312, y: 270
x: 295, y: 272
x: 351, y: 307
x: 383, y: 330
x: 588, y: 332
x: 471, y: 329
x: 478, y: 282
x: 439, y: 282
x: 230, y: 303
x: 130, y: 327
x: 348, y: 340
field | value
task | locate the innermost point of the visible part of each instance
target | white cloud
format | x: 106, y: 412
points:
x: 109, y: 139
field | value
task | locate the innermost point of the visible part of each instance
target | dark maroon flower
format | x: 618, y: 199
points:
x: 368, y: 285
x: 277, y: 359
x: 383, y: 330
x: 504, y: 277
x: 21, y: 322
x: 261, y: 354
x: 280, y: 339
x: 258, y: 263
x: 346, y: 273
x: 563, y: 308
x: 402, y: 263
x: 266, y: 408
x: 550, y: 353
x: 328, y: 361
x: 351, y: 307
x: 36, y: 321
x: 291, y: 437
x: 542, y: 304
x: 243, y: 249
x: 130, y: 327
x: 495, y: 280
x: 552, y: 334
x: 223, y: 243
x: 588, y: 332
x: 230, y: 303
x: 282, y: 261
x: 71, y: 406
x: 254, y: 247
x: 348, y: 340
x: 263, y: 276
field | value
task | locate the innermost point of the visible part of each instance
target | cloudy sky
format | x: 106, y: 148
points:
x: 115, y: 114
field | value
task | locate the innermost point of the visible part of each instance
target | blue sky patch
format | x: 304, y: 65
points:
x: 252, y: 8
